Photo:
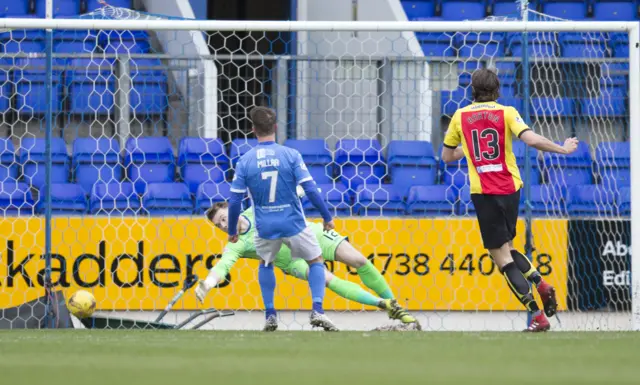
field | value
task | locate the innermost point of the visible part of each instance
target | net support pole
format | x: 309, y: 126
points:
x: 634, y: 120
x: 123, y: 109
x: 210, y: 99
x: 48, y: 158
x: 526, y: 96
x: 279, y: 98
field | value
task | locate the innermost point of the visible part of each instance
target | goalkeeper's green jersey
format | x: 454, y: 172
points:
x: 245, y: 248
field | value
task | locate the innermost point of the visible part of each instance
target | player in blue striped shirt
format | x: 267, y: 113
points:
x: 270, y: 174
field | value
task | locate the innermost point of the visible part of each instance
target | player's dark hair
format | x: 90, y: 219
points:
x: 263, y: 120
x: 211, y: 211
x: 485, y: 86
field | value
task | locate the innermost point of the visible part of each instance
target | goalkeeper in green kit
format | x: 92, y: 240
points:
x: 335, y: 247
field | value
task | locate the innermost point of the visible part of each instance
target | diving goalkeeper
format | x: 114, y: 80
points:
x: 334, y: 248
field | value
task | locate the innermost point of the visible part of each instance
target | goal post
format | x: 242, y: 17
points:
x: 342, y: 87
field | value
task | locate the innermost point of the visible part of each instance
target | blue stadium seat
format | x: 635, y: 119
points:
x: 463, y: 10
x: 380, y: 200
x: 419, y: 8
x: 13, y: 8
x: 149, y: 88
x: 209, y: 193
x: 591, y: 200
x: 66, y: 199
x: 26, y: 46
x: 579, y: 158
x: 316, y: 156
x: 479, y: 45
x: 84, y: 46
x: 5, y: 87
x: 337, y: 197
x: 570, y: 170
x: 546, y: 200
x: 619, y: 43
x: 506, y: 73
x: 31, y: 82
x: 624, y: 201
x: 240, y: 147
x: 89, y: 90
x: 607, y: 104
x: 453, y: 174
x: 96, y: 160
x: 202, y: 160
x: 132, y: 42
x: 614, y: 75
x: 61, y: 8
x: 536, y: 46
x: 465, y: 206
x: 614, y: 154
x: 519, y: 150
x: 114, y: 199
x: 360, y: 161
x: 412, y: 163
x: 505, y: 8
x: 465, y: 70
x: 570, y: 10
x: 452, y: 100
x: 552, y: 107
x: 580, y: 45
x: 33, y: 160
x: 431, y: 200
x: 436, y: 43
x: 8, y: 161
x: 15, y: 199
x: 149, y: 160
x: 93, y: 5
x: 615, y: 10
x: 613, y: 161
x: 167, y: 199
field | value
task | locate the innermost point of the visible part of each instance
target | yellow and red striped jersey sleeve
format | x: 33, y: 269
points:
x: 515, y: 123
x: 453, y: 138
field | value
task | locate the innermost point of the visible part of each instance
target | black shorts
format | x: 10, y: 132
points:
x: 497, y: 217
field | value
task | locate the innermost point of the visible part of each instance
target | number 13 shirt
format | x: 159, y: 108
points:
x: 485, y: 131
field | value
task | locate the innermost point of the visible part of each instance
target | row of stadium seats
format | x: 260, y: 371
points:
x: 498, y: 44
x: 610, y: 104
x: 80, y: 85
x: 354, y: 162
x: 606, y: 10
x: 368, y: 200
x: 79, y: 91
x: 61, y: 8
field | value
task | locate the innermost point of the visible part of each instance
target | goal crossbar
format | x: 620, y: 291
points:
x: 292, y: 26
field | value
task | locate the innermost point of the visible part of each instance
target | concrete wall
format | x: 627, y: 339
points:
x: 192, y: 85
x: 339, y: 98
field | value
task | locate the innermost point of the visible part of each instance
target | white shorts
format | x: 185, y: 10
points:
x: 303, y: 245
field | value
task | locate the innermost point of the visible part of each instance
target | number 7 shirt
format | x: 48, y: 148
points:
x: 270, y: 174
x: 485, y: 131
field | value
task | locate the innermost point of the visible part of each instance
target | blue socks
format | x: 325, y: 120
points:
x: 267, y: 280
x: 317, y: 283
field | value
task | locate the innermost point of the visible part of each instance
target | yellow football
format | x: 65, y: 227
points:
x: 82, y: 304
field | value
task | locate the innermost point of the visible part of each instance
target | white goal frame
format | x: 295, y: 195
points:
x: 631, y: 28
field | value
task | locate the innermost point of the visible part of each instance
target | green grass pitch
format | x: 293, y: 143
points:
x: 308, y: 358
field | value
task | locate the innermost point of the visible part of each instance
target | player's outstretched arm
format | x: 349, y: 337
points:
x: 232, y: 252
x: 452, y: 155
x: 235, y: 207
x: 541, y: 143
x: 311, y: 191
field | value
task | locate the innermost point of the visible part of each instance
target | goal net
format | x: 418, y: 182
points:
x: 148, y: 124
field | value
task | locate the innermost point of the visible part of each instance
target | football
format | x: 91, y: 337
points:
x: 82, y: 304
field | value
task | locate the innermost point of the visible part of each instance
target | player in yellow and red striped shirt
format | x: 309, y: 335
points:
x: 485, y: 129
